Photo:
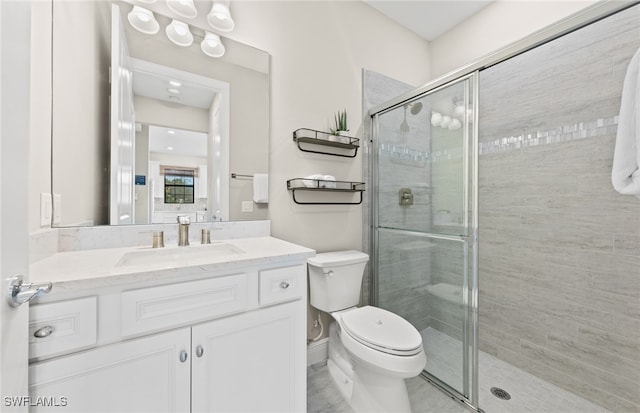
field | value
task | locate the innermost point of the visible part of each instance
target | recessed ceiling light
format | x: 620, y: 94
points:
x: 169, y: 148
x: 173, y: 91
x: 175, y: 83
x: 171, y: 132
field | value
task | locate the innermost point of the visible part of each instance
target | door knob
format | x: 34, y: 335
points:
x: 20, y: 293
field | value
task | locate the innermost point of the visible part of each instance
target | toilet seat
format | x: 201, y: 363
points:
x: 382, y: 330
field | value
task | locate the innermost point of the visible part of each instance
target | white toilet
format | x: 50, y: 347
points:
x: 371, y: 350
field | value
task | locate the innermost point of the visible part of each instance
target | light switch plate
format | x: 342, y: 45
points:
x: 247, y: 206
x: 45, y: 209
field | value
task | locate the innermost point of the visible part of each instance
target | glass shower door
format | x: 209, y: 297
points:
x: 424, y: 225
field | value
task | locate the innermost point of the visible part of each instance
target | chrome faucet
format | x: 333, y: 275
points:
x: 183, y: 230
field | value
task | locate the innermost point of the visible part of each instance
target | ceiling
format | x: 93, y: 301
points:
x: 182, y: 142
x: 429, y: 18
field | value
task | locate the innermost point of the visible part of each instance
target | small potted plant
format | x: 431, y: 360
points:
x: 341, y: 128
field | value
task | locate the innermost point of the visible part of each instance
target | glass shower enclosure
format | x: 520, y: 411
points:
x: 423, y: 225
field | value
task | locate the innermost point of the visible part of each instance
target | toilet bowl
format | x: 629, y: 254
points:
x: 371, y: 350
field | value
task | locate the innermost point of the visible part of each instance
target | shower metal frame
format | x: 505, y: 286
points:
x: 567, y: 25
x: 469, y: 394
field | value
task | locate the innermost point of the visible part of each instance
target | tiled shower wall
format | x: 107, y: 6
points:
x: 559, y: 248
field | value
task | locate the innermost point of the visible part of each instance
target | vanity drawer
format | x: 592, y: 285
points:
x: 159, y: 308
x: 282, y: 284
x: 63, y: 326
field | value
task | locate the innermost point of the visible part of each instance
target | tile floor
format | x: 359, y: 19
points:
x: 529, y: 394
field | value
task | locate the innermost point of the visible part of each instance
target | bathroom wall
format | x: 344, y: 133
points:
x: 494, y: 27
x: 318, y: 50
x: 559, y: 248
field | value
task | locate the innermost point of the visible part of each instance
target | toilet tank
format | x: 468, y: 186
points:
x: 335, y: 279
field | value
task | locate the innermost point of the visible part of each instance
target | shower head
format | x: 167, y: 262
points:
x: 415, y: 108
x: 404, y: 126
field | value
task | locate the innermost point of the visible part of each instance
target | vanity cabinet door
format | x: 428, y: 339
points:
x: 253, y: 362
x: 149, y: 374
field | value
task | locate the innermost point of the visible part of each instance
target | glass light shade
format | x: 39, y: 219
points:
x: 184, y: 8
x: 212, y: 46
x: 220, y: 17
x: 143, y: 21
x: 178, y: 32
x: 455, y: 124
x: 436, y: 118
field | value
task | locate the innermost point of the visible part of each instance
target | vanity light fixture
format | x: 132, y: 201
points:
x: 220, y: 17
x: 458, y: 106
x: 436, y: 118
x: 455, y: 124
x: 143, y: 20
x: 178, y: 32
x: 183, y: 8
x: 211, y: 45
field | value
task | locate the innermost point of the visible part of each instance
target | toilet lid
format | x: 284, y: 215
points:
x: 382, y: 330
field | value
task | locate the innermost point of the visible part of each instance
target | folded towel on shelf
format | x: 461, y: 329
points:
x: 261, y: 188
x: 310, y: 181
x: 326, y: 184
x: 625, y: 173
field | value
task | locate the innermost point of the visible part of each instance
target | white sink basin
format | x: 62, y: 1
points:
x: 178, y: 256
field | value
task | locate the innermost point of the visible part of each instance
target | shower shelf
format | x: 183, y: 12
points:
x: 316, y: 137
x: 320, y: 185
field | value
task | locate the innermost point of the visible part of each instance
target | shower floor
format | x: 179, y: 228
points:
x: 529, y: 394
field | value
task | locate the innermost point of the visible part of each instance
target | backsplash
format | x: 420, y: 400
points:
x: 47, y: 242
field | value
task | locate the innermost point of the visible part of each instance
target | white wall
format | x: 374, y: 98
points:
x: 494, y: 27
x: 318, y: 52
x: 40, y: 112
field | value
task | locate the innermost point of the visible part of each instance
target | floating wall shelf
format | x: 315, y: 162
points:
x: 316, y: 137
x: 319, y: 185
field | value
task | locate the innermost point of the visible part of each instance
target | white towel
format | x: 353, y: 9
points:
x: 261, y: 188
x: 310, y: 181
x: 326, y: 184
x: 625, y: 174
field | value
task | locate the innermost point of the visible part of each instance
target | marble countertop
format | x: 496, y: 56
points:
x: 109, y: 266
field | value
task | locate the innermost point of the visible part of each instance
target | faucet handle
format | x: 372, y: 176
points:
x: 183, y: 220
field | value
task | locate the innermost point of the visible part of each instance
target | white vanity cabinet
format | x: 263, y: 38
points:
x: 250, y: 362
x: 234, y: 342
x: 141, y: 375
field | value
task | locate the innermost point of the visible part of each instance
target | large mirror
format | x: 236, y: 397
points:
x: 144, y: 130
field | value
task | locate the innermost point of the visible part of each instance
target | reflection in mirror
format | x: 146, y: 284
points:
x: 82, y: 150
x: 175, y: 162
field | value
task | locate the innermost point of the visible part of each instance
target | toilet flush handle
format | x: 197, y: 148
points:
x: 330, y: 273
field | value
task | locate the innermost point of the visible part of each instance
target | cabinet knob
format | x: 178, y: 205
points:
x: 183, y: 356
x: 43, y: 332
x: 284, y: 285
x: 199, y: 351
